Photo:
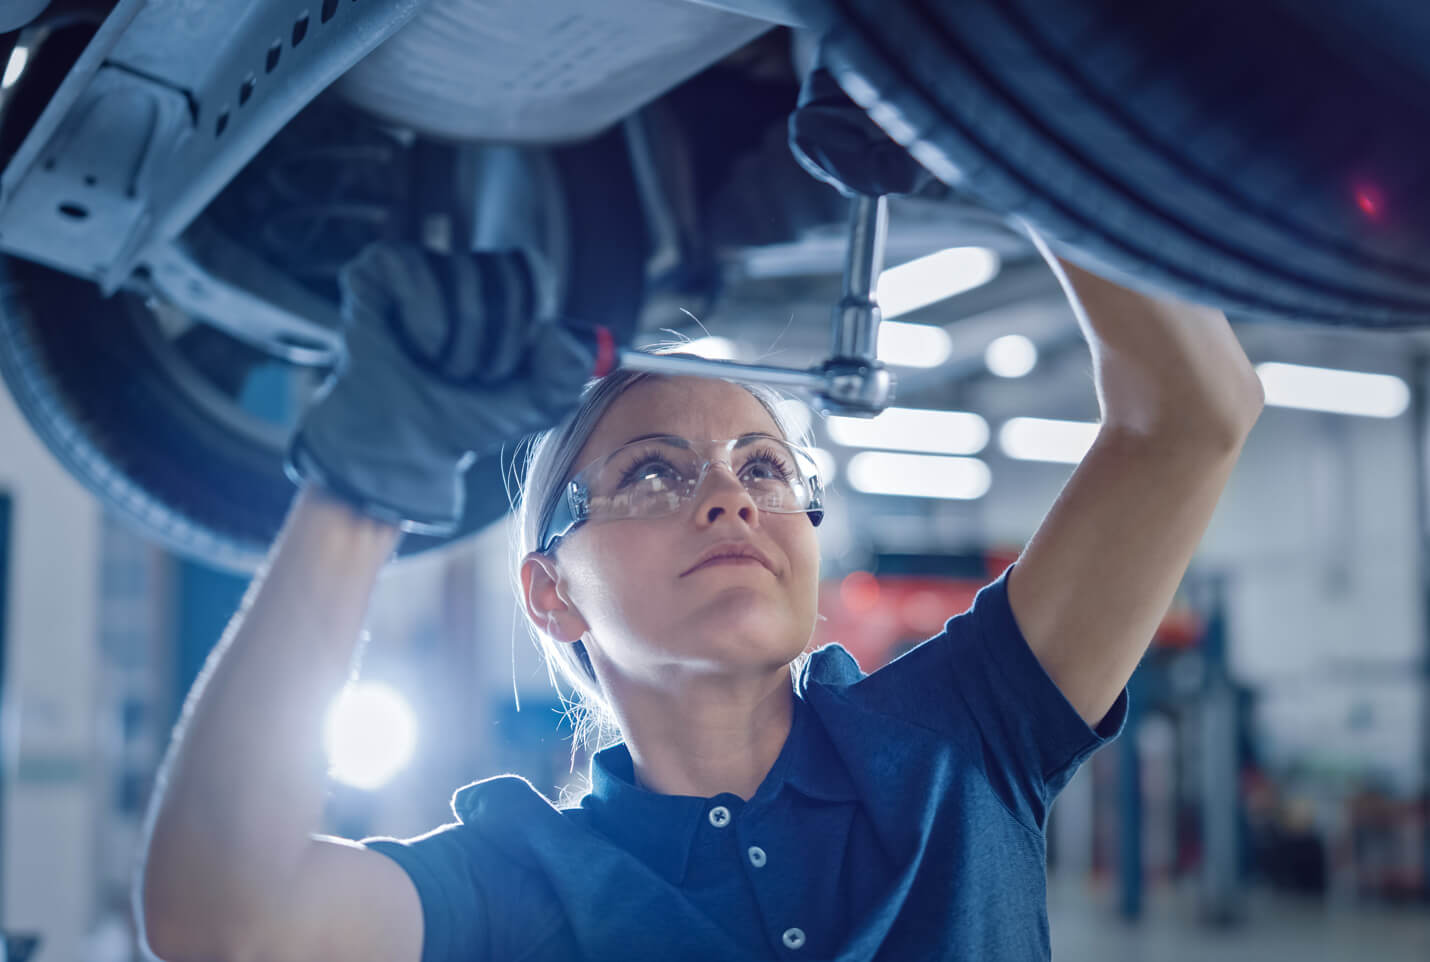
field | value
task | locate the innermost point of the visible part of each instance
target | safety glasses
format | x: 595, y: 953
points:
x: 653, y: 477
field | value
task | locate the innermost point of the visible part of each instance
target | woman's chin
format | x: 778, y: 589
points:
x: 740, y: 603
x: 747, y: 628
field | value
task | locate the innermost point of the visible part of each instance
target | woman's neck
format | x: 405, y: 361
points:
x: 704, y: 738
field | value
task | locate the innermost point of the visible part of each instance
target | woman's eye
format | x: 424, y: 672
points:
x: 654, y: 471
x: 645, y: 471
x: 767, y: 468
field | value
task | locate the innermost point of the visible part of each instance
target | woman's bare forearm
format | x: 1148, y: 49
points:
x: 241, y: 789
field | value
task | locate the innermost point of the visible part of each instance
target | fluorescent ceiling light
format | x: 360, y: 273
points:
x: 369, y: 735
x: 15, y: 66
x: 1339, y: 392
x: 912, y: 429
x: 1012, y: 355
x: 913, y: 345
x: 919, y: 475
x: 927, y: 280
x: 714, y: 348
x: 1041, y: 439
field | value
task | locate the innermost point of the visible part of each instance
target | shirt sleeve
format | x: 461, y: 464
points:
x: 457, y: 914
x: 979, y: 675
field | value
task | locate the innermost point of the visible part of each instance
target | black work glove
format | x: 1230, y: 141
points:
x: 444, y: 363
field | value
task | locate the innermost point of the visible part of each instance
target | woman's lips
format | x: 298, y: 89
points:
x: 728, y: 560
x: 731, y: 550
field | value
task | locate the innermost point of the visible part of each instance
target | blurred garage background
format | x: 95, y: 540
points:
x: 1268, y: 799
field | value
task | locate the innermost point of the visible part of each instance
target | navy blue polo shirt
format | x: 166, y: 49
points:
x: 903, y: 819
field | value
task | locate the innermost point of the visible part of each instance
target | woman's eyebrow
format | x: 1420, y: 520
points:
x: 647, y: 437
x: 663, y: 434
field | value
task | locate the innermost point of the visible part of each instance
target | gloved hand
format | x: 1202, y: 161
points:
x: 443, y: 364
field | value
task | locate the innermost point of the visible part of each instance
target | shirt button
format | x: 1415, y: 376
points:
x: 793, y: 938
x: 757, y: 856
x: 719, y: 816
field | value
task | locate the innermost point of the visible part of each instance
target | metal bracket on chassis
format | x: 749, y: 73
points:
x: 208, y: 276
x: 165, y: 105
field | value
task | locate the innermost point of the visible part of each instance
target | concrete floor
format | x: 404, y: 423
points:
x: 1085, y: 926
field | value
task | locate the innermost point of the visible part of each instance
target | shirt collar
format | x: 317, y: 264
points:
x: 816, y: 769
x: 657, y: 829
x: 660, y: 829
x: 819, y: 770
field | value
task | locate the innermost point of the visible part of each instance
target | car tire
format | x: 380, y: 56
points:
x: 94, y: 384
x: 1256, y: 156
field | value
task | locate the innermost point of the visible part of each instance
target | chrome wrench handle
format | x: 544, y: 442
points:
x: 852, y: 382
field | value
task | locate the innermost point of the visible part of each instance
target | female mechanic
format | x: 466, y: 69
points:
x: 759, y: 804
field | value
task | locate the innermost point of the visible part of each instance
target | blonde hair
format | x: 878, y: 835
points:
x: 548, y: 466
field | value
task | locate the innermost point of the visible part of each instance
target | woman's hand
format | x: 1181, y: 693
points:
x: 1161, y: 365
x: 444, y: 362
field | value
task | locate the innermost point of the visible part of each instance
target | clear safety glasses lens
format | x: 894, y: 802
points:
x: 653, y: 477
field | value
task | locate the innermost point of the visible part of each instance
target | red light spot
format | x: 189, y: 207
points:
x: 1370, y: 200
x: 925, y: 611
x: 859, y: 591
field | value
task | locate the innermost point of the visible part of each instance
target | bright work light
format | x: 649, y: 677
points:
x: 927, y: 280
x: 919, y: 475
x: 913, y: 345
x: 1012, y: 355
x: 714, y: 348
x: 913, y: 429
x: 369, y: 735
x: 1044, y: 439
x: 1334, y: 391
x: 15, y: 66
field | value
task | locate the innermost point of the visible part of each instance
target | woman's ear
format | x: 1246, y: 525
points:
x: 547, y: 604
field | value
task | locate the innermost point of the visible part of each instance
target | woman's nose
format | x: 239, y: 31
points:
x: 721, y: 491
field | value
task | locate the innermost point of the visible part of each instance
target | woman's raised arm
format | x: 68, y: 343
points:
x: 240, y: 793
x: 1178, y: 398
